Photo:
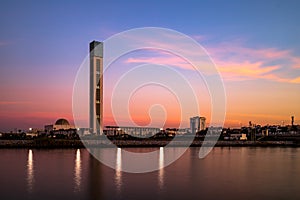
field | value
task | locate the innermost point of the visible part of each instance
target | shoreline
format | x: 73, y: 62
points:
x: 68, y: 143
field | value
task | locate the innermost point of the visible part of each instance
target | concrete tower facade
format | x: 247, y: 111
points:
x: 197, y: 124
x: 96, y: 87
x: 202, y: 121
x: 194, y: 124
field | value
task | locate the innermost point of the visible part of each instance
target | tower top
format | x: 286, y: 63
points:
x: 96, y: 49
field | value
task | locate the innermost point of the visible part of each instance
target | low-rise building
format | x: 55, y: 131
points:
x: 133, y: 131
x: 60, y: 124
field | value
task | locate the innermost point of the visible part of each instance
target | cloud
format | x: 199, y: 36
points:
x: 296, y: 61
x: 246, y: 68
x: 235, y: 59
x: 162, y: 59
x: 199, y: 38
x: 13, y: 102
x: 296, y: 80
x: 246, y: 71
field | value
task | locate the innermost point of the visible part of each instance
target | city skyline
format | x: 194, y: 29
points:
x: 254, y: 45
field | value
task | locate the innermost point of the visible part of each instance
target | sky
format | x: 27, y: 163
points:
x: 254, y: 44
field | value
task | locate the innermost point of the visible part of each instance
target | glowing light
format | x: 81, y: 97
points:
x: 77, y: 171
x: 118, y: 175
x: 30, y: 171
x: 161, y: 167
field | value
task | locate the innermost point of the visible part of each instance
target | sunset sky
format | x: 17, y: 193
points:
x: 254, y: 44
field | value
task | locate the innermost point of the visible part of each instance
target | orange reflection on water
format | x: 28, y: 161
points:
x: 118, y: 175
x: 30, y: 171
x: 77, y: 171
x: 161, y: 167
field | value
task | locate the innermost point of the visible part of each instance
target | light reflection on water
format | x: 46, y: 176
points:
x: 161, y: 168
x: 77, y: 171
x: 30, y: 171
x: 118, y: 174
x: 235, y: 173
x: 118, y: 169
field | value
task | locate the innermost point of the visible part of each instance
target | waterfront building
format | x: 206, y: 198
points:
x: 243, y: 137
x: 265, y: 132
x: 182, y: 131
x: 60, y: 124
x: 197, y: 124
x: 96, y: 87
x: 202, y: 121
x: 194, y: 124
x: 61, y: 129
x: 133, y: 131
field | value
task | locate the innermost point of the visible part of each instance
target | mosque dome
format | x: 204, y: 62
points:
x: 62, y: 122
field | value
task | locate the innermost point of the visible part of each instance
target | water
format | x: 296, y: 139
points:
x: 226, y: 173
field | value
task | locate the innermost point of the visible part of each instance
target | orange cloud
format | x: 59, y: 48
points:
x: 166, y: 59
x: 268, y: 63
x: 296, y: 80
x: 235, y: 60
x: 296, y: 62
x: 247, y: 69
x: 238, y: 62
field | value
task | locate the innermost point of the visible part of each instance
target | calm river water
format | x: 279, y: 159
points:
x: 226, y: 173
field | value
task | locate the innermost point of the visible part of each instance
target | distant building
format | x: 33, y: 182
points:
x: 197, y: 124
x: 194, y: 124
x: 265, y: 132
x: 171, y: 131
x: 33, y: 132
x: 133, y: 131
x: 60, y: 124
x: 202, y: 123
x: 182, y: 131
x: 83, y: 131
x: 243, y: 137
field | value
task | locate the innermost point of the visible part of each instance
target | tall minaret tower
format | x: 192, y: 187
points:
x: 96, y: 87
